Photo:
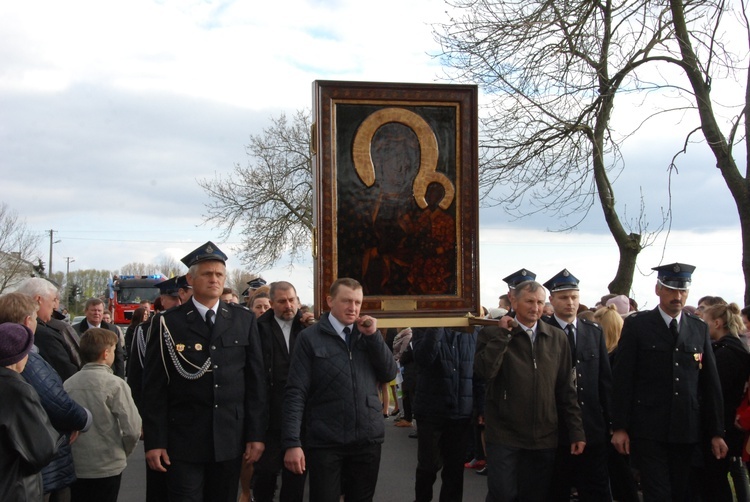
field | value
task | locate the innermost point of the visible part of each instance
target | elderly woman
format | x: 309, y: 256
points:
x: 733, y: 364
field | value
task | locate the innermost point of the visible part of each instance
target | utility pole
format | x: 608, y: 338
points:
x: 69, y: 260
x: 51, y: 242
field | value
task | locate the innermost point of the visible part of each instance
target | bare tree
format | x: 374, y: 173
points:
x: 237, y: 279
x: 169, y: 266
x: 553, y: 70
x: 138, y: 268
x: 19, y: 249
x: 703, y: 52
x: 269, y: 201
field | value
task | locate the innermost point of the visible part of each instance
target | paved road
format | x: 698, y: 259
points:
x: 395, y: 484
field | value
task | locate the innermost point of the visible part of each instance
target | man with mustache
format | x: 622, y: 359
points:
x: 667, y: 394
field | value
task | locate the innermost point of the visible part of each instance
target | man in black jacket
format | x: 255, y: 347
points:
x: 593, y: 378
x: 333, y: 383
x: 278, y: 328
x: 667, y: 393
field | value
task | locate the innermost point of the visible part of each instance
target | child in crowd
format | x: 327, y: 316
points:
x: 100, y: 454
x: 27, y: 439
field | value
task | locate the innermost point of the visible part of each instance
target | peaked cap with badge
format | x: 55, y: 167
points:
x: 207, y: 252
x: 564, y: 280
x: 518, y: 277
x: 675, y: 275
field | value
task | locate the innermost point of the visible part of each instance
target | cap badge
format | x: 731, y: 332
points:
x: 209, y: 249
x: 180, y: 347
x: 198, y: 347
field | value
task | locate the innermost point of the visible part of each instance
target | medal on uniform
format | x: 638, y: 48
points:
x: 199, y: 346
x: 699, y: 359
x: 180, y: 347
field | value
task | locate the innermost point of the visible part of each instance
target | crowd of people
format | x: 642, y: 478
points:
x: 550, y: 399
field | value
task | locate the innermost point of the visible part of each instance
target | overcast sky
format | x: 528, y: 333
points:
x: 110, y: 111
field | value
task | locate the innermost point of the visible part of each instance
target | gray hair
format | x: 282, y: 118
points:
x: 36, y: 286
x: 530, y: 286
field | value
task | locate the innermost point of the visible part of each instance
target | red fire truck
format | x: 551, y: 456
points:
x: 126, y: 292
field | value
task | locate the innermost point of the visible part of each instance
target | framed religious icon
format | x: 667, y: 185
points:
x: 396, y: 197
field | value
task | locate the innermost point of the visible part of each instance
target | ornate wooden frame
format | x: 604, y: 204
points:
x: 394, y: 231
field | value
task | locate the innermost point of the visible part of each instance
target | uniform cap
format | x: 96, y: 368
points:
x: 207, y: 252
x: 518, y: 277
x: 562, y: 281
x: 168, y: 287
x: 675, y: 275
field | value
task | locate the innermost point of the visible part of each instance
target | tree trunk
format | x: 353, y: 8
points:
x: 738, y: 185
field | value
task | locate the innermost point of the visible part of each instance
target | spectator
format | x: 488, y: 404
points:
x: 100, y: 454
x: 27, y: 439
x: 333, y: 380
x: 527, y: 369
x: 52, y: 345
x: 140, y: 315
x: 733, y: 365
x: 66, y: 416
x: 94, y: 311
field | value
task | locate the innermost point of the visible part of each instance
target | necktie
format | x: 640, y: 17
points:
x: 210, y: 320
x: 530, y: 332
x: 673, y: 329
x: 571, y: 342
x: 348, y: 334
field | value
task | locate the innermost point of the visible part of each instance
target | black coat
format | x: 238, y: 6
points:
x: 733, y: 365
x: 665, y: 390
x: 276, y: 359
x: 54, y: 350
x: 211, y: 418
x: 593, y: 381
x: 27, y: 439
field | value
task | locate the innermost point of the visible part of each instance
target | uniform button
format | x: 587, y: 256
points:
x: 676, y: 350
x: 216, y: 406
x: 236, y: 341
x: 216, y: 385
x: 676, y: 364
x: 216, y: 366
x: 676, y: 393
x: 213, y: 347
x: 677, y: 379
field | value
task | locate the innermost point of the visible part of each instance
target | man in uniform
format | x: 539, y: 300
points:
x: 184, y: 289
x: 278, y: 328
x: 666, y: 389
x: 204, y: 395
x: 593, y: 377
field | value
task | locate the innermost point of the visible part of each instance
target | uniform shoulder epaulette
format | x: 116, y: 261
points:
x: 693, y: 316
x: 238, y: 306
x: 589, y: 322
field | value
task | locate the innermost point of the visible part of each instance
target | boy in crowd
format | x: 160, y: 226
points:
x: 100, y: 454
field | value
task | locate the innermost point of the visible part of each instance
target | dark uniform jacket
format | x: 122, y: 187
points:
x: 593, y: 381
x: 136, y: 359
x: 211, y: 418
x: 336, y: 388
x: 276, y: 359
x: 119, y: 365
x: 665, y: 390
x: 527, y: 387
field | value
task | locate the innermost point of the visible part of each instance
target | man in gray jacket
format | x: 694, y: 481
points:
x: 526, y: 364
x: 333, y: 382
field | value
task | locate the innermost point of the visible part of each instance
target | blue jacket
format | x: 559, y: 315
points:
x: 334, y: 389
x: 445, y: 386
x: 65, y: 415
